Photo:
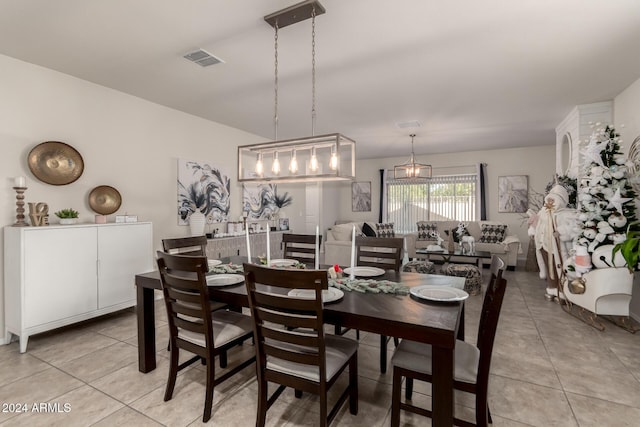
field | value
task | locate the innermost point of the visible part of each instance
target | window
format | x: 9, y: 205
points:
x: 441, y: 198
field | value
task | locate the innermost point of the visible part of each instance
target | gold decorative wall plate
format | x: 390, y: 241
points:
x: 105, y: 200
x: 55, y: 163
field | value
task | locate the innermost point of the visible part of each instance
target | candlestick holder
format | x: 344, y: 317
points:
x: 20, y: 207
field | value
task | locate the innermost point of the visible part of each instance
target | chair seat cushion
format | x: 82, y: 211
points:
x: 227, y: 326
x: 338, y: 351
x: 417, y: 357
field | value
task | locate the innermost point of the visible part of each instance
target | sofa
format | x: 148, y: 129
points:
x: 490, y: 236
x: 337, y: 245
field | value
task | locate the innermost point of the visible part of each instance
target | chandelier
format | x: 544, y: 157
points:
x: 329, y: 157
x: 411, y: 169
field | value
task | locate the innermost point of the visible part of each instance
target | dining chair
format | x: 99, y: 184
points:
x: 381, y: 252
x: 192, y: 325
x: 195, y: 245
x: 292, y: 349
x: 384, y: 253
x: 413, y: 360
x: 301, y: 247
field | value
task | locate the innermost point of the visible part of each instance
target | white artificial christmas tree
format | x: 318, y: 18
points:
x: 605, y: 195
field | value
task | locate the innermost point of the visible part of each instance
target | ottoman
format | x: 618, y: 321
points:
x: 471, y: 273
x: 423, y: 267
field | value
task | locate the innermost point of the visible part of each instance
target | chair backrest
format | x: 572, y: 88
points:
x: 196, y: 245
x: 276, y: 317
x: 186, y: 296
x: 301, y: 247
x: 489, y: 317
x: 381, y: 252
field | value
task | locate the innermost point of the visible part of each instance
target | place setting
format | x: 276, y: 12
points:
x: 436, y: 293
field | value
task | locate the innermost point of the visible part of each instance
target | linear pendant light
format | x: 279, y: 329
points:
x: 329, y: 157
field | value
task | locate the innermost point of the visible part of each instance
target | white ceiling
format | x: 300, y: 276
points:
x: 477, y: 74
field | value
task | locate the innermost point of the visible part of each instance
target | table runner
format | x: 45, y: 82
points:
x: 369, y: 285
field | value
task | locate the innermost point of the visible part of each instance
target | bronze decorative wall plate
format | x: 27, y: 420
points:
x: 55, y: 163
x: 105, y: 200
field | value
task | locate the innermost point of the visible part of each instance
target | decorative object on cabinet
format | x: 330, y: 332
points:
x: 20, y: 188
x: 55, y: 163
x: 67, y: 216
x: 283, y: 224
x: 104, y: 200
x: 45, y: 288
x: 513, y: 193
x: 204, y: 188
x: 196, y: 223
x: 361, y: 196
x: 39, y: 214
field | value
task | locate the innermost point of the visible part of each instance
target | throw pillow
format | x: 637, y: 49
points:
x: 492, y: 233
x: 425, y: 229
x: 368, y: 231
x: 385, y: 230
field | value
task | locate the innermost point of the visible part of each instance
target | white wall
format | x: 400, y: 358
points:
x: 536, y: 162
x: 126, y: 142
x: 627, y: 113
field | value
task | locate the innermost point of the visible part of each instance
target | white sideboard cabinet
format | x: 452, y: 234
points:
x: 58, y: 275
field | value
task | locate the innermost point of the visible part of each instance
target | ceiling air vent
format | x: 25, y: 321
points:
x: 409, y: 124
x: 202, y: 58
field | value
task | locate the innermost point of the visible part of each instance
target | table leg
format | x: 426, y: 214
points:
x: 443, y: 362
x: 145, y: 311
x: 461, y: 326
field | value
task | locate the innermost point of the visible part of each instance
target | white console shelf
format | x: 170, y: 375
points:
x: 59, y: 275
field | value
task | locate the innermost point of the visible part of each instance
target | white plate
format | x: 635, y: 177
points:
x: 364, y: 271
x: 283, y: 262
x: 224, y: 279
x: 328, y: 295
x: 214, y: 262
x: 439, y: 293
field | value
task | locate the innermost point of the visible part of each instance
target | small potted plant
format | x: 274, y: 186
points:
x: 67, y: 216
x: 630, y: 248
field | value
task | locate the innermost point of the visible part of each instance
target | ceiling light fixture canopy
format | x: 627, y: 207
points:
x: 329, y: 157
x: 412, y: 169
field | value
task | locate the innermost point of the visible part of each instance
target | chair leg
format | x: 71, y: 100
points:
x: 489, y: 415
x: 173, y: 373
x: 297, y: 393
x: 353, y: 385
x: 383, y: 354
x: 396, y: 341
x: 482, y: 409
x: 262, y: 403
x: 208, y: 399
x: 358, y: 334
x: 395, y: 398
x: 408, y: 392
x: 324, y: 422
x: 223, y: 359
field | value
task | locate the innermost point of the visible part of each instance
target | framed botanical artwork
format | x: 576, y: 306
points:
x: 361, y: 196
x: 204, y: 188
x: 513, y: 193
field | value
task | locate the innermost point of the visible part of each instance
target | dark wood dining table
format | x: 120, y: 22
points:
x: 393, y: 315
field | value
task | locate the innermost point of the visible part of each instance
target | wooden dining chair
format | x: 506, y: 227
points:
x: 384, y: 253
x: 301, y: 247
x: 291, y: 347
x: 195, y: 245
x: 381, y: 252
x: 192, y: 325
x: 413, y: 360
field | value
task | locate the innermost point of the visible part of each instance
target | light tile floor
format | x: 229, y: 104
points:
x: 549, y: 369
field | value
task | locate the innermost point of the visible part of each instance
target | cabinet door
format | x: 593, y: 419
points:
x: 123, y: 251
x: 60, y: 273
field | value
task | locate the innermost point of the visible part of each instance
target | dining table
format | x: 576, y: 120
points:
x: 404, y: 316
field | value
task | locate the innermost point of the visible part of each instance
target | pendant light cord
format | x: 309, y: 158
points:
x: 313, y: 71
x: 275, y: 107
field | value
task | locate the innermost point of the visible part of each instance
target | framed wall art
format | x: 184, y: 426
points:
x: 202, y: 187
x: 361, y: 196
x: 513, y: 193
